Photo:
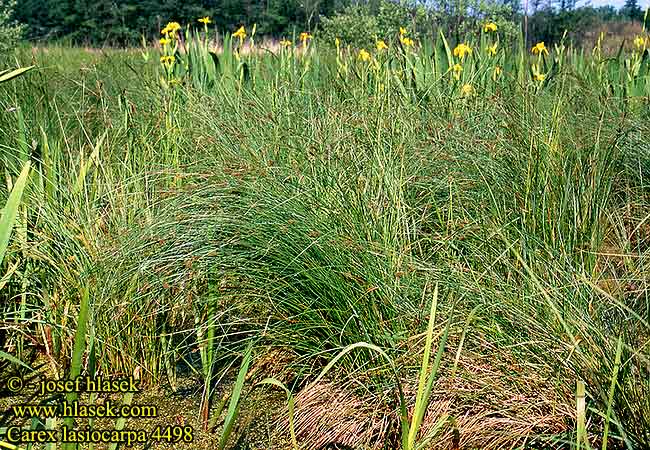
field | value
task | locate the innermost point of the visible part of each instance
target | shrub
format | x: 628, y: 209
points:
x: 353, y: 26
x: 10, y: 31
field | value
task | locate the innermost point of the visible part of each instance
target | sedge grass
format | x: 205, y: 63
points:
x: 310, y: 211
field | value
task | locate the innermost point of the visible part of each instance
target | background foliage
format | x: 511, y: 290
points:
x: 10, y: 31
x: 124, y: 22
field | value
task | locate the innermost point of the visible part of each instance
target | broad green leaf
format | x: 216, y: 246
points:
x: 9, y: 75
x: 11, y: 210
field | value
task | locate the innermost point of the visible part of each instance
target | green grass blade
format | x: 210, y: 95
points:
x: 79, y: 347
x: 86, y: 165
x: 612, y: 390
x: 14, y: 360
x: 581, y: 428
x: 9, y: 446
x: 290, y: 405
x: 468, y: 322
x: 424, y: 369
x: 10, y: 212
x: 233, y: 407
x: 6, y: 76
x: 418, y: 414
x: 121, y: 422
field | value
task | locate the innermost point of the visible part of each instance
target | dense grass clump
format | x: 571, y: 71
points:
x: 302, y: 214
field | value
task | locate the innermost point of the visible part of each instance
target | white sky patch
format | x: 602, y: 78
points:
x: 643, y: 4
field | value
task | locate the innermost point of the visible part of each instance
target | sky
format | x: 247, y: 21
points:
x: 617, y: 3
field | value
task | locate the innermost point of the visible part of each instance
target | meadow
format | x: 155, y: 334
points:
x: 422, y: 245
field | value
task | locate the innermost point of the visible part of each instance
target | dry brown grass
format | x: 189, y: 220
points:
x: 332, y: 413
x: 614, y: 35
x: 262, y: 46
x: 497, y: 403
x: 493, y: 402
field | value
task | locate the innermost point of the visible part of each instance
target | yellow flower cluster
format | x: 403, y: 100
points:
x: 459, y: 69
x: 169, y: 33
x: 461, y: 50
x: 404, y: 39
x: 171, y: 28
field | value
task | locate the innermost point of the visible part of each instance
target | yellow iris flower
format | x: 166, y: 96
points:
x: 539, y: 48
x: 639, y: 42
x: 489, y: 27
x: 205, y: 20
x: 171, y: 28
x: 457, y: 69
x: 491, y: 49
x: 537, y: 75
x: 304, y: 37
x: 285, y: 43
x: 167, y: 60
x: 240, y: 33
x: 496, y: 72
x: 364, y: 55
x: 381, y: 45
x: 461, y: 50
x: 408, y: 42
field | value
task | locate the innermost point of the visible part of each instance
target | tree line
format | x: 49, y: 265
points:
x: 125, y: 22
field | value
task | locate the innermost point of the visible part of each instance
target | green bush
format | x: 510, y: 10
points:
x: 392, y: 16
x: 361, y: 26
x: 353, y: 26
x: 10, y: 31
